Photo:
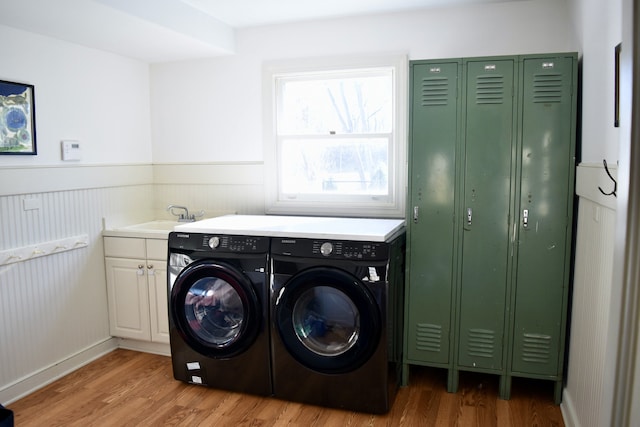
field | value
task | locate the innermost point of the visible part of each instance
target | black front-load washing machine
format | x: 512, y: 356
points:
x: 218, y: 311
x: 337, y: 321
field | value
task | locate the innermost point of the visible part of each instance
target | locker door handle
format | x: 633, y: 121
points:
x: 469, y: 215
x: 415, y: 214
x: 525, y: 218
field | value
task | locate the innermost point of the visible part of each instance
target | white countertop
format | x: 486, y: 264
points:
x: 158, y: 229
x: 360, y: 229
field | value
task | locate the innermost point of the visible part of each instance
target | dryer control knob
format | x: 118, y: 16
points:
x: 214, y: 242
x: 326, y: 248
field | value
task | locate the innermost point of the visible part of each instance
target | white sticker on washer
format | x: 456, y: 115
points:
x: 192, y: 366
x: 196, y: 379
x: 373, y: 274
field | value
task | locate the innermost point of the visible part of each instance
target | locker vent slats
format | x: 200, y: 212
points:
x: 547, y: 88
x: 536, y: 348
x: 490, y: 89
x: 428, y: 337
x: 481, y: 342
x: 435, y: 91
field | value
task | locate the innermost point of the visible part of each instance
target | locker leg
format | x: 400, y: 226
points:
x: 505, y: 387
x: 557, y: 392
x: 404, y: 380
x: 452, y: 380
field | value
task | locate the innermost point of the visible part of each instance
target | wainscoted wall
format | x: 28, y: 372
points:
x: 591, y: 295
x: 53, y: 309
x: 216, y: 188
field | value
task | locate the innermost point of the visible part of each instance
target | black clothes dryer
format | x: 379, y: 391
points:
x: 337, y: 312
x: 218, y: 311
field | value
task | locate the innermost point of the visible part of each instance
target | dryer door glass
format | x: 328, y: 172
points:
x: 214, y: 311
x: 326, y: 321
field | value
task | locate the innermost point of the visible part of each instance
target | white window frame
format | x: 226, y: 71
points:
x: 392, y: 206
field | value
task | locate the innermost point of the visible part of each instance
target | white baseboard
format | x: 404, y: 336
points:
x: 37, y: 380
x: 144, y: 346
x: 47, y: 375
x: 568, y: 411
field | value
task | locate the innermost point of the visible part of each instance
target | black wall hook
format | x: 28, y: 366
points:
x: 615, y: 184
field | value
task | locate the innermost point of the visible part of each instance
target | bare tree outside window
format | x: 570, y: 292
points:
x: 336, y: 133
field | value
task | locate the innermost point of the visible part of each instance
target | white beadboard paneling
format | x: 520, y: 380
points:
x: 228, y: 173
x: 590, y: 310
x: 216, y: 188
x: 54, y: 308
x: 215, y: 200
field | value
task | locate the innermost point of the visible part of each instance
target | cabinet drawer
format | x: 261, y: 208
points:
x: 124, y: 247
x: 157, y: 249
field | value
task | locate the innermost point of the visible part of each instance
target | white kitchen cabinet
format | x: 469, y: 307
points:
x: 137, y: 288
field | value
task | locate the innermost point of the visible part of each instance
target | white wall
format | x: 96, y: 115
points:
x: 589, y: 388
x: 210, y: 110
x: 599, y: 30
x: 95, y: 97
x: 53, y: 309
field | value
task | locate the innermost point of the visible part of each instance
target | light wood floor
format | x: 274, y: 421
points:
x: 127, y: 388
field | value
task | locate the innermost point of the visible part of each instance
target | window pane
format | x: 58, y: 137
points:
x: 334, y: 165
x: 345, y: 103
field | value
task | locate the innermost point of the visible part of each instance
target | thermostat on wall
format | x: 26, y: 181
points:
x: 71, y: 150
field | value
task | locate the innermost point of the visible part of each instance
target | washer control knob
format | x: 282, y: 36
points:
x: 214, y: 242
x: 326, y: 248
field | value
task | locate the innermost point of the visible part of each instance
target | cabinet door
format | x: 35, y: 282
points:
x: 128, y: 298
x: 158, y: 289
x: 435, y: 121
x: 487, y: 204
x: 546, y: 196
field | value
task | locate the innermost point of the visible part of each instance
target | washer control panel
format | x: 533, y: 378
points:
x: 330, y: 249
x: 218, y: 243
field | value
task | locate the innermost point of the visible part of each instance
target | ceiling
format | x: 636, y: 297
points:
x: 172, y: 30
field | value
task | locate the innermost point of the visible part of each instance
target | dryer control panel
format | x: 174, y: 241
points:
x: 330, y: 249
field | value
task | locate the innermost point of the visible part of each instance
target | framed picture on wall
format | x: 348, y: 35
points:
x: 616, y: 88
x: 17, y: 118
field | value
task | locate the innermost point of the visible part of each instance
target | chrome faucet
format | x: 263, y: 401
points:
x: 184, y: 216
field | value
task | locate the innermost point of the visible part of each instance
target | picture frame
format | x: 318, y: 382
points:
x: 17, y: 119
x: 616, y: 90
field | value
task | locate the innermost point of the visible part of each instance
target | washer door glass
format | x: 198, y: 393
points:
x: 215, y: 309
x: 326, y: 320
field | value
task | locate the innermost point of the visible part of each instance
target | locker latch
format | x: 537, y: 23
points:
x: 469, y: 215
x: 525, y: 218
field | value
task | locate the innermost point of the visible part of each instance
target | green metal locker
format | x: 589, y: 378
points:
x: 434, y: 135
x: 487, y: 205
x: 545, y: 216
x: 491, y: 214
